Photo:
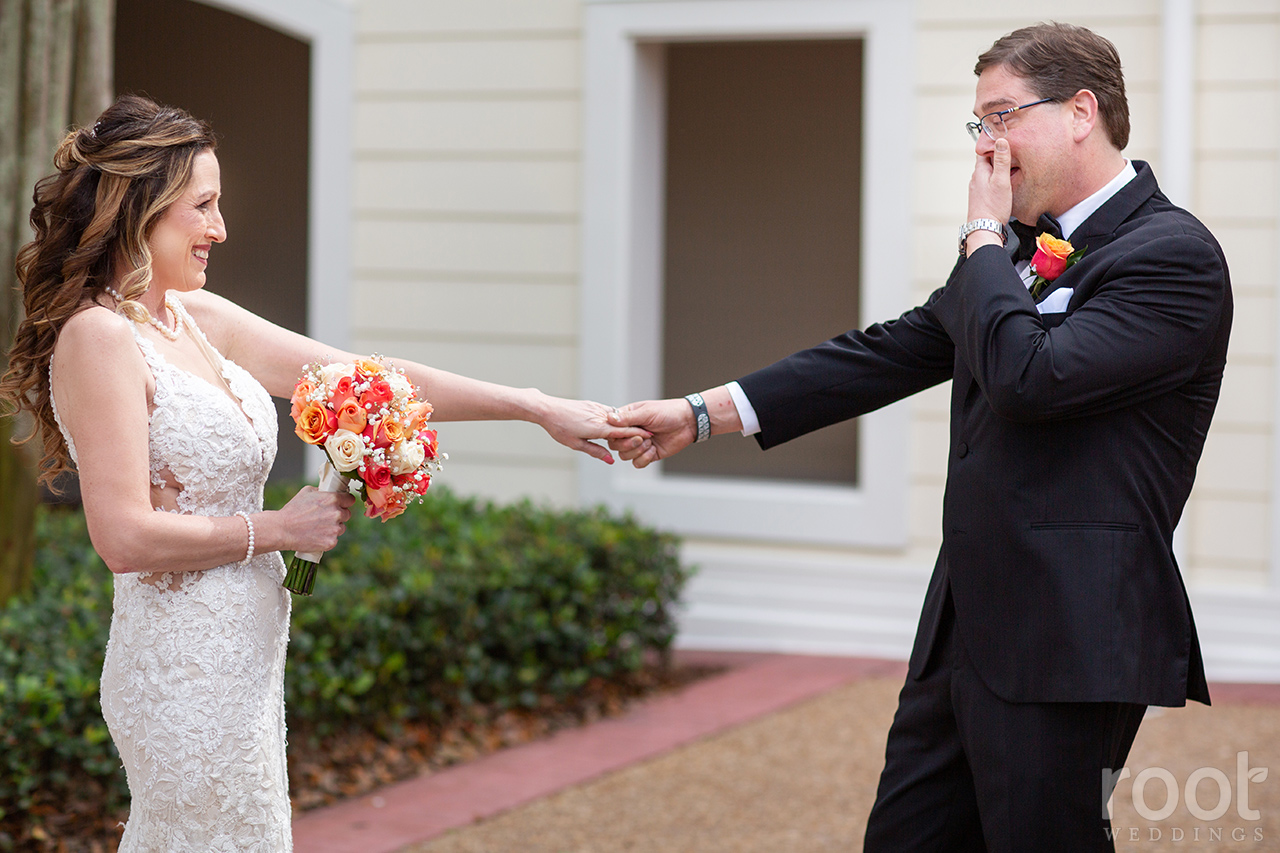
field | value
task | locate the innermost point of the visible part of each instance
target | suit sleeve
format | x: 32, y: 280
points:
x: 849, y: 375
x: 1145, y: 328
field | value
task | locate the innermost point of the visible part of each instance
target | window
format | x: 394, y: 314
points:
x: 641, y: 62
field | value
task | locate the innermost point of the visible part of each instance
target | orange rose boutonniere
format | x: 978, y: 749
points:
x: 1052, y: 258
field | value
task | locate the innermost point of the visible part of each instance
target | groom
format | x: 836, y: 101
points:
x: 1056, y: 613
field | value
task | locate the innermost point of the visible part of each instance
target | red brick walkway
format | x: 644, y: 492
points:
x: 421, y: 809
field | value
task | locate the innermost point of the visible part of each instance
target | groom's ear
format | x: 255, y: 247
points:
x: 1084, y: 114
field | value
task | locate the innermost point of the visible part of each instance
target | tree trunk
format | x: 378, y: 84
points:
x: 55, y: 71
x: 18, y: 497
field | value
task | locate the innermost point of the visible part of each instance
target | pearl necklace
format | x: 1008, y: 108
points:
x: 169, y: 334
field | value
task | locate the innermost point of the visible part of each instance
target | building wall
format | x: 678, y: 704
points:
x: 467, y: 199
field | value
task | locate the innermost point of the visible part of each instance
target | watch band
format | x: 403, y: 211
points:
x: 982, y: 225
x: 700, y: 416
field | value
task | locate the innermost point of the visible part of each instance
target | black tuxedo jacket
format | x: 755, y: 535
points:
x: 1074, y: 443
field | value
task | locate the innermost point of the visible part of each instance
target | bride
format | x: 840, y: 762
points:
x: 157, y: 392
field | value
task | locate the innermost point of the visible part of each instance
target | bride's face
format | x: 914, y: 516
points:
x: 181, y: 239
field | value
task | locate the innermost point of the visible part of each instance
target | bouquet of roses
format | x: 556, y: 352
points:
x: 368, y: 418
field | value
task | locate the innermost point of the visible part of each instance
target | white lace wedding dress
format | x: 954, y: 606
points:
x: 193, y: 682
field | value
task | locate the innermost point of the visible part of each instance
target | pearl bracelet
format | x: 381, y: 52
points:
x: 249, y: 524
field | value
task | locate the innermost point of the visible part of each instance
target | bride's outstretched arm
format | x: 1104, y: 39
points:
x: 275, y: 356
x: 100, y: 384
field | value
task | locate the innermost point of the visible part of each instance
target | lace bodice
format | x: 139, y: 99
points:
x: 219, y: 452
x: 192, y: 685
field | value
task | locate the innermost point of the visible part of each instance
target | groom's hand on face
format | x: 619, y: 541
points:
x: 670, y: 425
x: 990, y: 192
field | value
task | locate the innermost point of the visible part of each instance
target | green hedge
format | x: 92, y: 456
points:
x: 455, y: 603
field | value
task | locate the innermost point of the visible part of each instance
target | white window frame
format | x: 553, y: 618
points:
x: 622, y: 215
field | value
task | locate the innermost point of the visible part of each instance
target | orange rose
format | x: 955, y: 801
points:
x: 351, y: 415
x: 389, y: 432
x: 369, y: 367
x: 303, y: 390
x: 1050, y: 259
x: 315, y: 423
x: 393, y: 430
x: 384, y: 503
x: 395, y: 507
x: 419, y: 414
x: 376, y: 500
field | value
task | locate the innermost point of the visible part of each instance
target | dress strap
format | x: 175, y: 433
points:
x: 149, y: 352
x: 62, y: 428
x: 216, y: 359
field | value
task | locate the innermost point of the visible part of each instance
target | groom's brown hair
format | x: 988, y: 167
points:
x: 1058, y: 60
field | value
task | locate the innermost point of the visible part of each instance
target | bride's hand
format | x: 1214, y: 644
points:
x: 313, y: 520
x: 575, y: 423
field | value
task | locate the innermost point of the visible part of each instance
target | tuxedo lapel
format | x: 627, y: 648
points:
x: 1103, y: 223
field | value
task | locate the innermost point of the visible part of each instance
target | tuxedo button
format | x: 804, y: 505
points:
x: 962, y: 450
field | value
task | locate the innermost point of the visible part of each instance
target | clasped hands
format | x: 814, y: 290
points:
x: 669, y: 426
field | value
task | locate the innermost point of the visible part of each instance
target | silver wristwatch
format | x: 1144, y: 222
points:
x: 982, y: 225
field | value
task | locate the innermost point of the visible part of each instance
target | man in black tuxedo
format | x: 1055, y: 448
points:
x: 1056, y: 613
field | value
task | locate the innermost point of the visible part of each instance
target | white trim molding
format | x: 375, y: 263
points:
x: 802, y: 602
x: 624, y: 92
x: 1239, y: 632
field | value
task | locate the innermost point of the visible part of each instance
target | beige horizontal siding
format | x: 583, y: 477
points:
x: 1231, y: 512
x: 526, y: 311
x: 509, y: 248
x: 469, y: 187
x: 460, y: 127
x: 480, y: 66
x: 1005, y: 15
x: 437, y: 18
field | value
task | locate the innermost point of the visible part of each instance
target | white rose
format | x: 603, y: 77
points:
x: 407, y: 456
x: 331, y: 373
x: 346, y: 449
x: 401, y: 387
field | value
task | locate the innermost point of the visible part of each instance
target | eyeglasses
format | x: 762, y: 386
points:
x: 993, y: 123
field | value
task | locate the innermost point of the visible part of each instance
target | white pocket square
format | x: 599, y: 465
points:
x: 1056, y: 302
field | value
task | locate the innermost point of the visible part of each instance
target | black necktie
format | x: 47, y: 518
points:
x: 1027, y: 234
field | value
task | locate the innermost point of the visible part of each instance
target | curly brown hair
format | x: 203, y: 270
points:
x: 92, y: 220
